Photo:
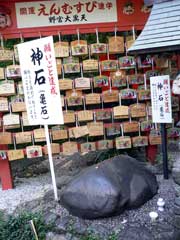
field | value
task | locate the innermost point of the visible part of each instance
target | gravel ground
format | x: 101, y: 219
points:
x: 26, y: 189
x: 31, y: 189
x: 137, y: 217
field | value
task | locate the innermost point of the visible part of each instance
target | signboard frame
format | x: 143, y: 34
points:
x: 162, y: 111
x: 41, y: 89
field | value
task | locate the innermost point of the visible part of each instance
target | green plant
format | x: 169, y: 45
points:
x: 2, y: 224
x: 70, y: 227
x: 19, y: 228
x: 113, y: 236
x: 90, y: 236
x: 158, y: 158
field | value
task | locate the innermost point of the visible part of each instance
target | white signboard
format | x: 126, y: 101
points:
x: 161, y: 99
x: 40, y: 82
x: 54, y: 13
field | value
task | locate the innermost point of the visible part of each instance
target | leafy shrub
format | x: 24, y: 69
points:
x: 113, y: 236
x: 19, y: 227
x: 90, y: 236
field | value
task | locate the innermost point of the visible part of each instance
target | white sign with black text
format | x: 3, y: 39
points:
x: 40, y: 82
x: 161, y: 99
x: 54, y: 13
x: 41, y: 88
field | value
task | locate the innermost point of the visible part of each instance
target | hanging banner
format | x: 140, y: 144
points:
x: 40, y: 82
x: 34, y: 18
x: 161, y: 99
x: 54, y: 13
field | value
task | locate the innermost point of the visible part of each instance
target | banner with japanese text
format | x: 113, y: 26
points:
x: 26, y: 19
x: 40, y: 82
x: 53, y: 13
x: 161, y: 99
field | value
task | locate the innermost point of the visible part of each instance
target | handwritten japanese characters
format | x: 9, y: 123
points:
x: 161, y: 99
x: 100, y: 110
x: 40, y: 82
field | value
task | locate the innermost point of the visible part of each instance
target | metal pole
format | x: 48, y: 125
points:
x: 164, y: 150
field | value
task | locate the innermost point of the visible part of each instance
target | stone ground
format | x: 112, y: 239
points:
x: 161, y: 229
x: 35, y: 194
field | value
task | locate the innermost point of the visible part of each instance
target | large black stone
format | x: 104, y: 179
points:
x: 109, y: 188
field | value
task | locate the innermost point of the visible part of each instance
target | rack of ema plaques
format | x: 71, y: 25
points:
x: 105, y: 97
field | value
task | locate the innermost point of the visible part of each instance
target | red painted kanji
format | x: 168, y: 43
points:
x: 47, y: 47
x: 23, y: 11
x: 101, y: 6
x: 90, y: 6
x: 54, y: 10
x: 51, y: 80
x: 67, y: 9
x: 31, y: 10
x: 53, y: 90
x: 79, y: 6
x: 165, y: 81
x: 42, y: 10
x: 109, y: 5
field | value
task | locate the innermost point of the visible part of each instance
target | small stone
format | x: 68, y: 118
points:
x: 74, y: 238
x: 176, y: 163
x: 70, y: 237
x: 177, y: 221
x: 28, y: 174
x: 52, y: 236
x: 50, y: 217
x: 176, y: 210
x: 61, y: 237
x: 80, y: 227
x: 175, y: 174
x: 177, y: 190
x: 62, y: 224
x: 176, y: 167
x: 124, y: 221
x: 177, y: 201
x: 176, y: 234
x: 177, y: 180
x: 177, y: 194
x: 100, y: 230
